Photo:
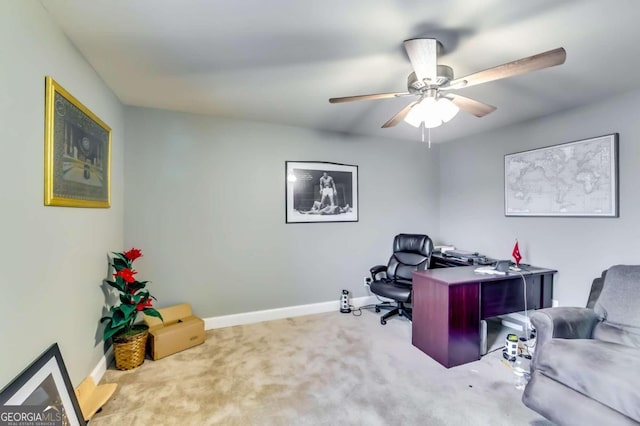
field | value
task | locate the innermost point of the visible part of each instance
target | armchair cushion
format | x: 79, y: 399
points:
x: 618, y: 301
x: 572, y: 362
x: 614, y: 334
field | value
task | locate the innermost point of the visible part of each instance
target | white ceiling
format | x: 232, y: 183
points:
x: 279, y: 61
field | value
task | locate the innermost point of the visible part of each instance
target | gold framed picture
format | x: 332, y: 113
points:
x: 77, y: 154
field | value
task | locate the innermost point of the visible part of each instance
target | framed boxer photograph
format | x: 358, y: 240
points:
x: 319, y: 192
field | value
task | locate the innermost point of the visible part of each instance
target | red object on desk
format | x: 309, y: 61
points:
x: 516, y: 254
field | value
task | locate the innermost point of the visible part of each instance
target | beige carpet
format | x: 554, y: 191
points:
x: 326, y: 369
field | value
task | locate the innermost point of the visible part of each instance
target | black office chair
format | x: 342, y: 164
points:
x: 411, y: 252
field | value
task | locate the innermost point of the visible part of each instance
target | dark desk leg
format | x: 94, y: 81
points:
x: 464, y: 324
x: 446, y: 321
x: 430, y: 325
x: 547, y: 290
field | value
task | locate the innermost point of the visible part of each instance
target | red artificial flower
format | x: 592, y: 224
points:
x: 133, y: 254
x: 144, y: 304
x: 126, y: 274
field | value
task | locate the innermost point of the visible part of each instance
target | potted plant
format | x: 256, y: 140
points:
x: 129, y: 338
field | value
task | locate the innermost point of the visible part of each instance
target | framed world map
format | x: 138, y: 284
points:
x: 575, y: 179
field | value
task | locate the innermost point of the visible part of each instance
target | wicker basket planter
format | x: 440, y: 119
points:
x: 130, y: 350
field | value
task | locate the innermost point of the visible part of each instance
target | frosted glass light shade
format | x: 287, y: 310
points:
x: 414, y: 117
x: 448, y: 109
x: 432, y: 111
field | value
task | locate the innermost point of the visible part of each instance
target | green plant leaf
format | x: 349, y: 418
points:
x: 120, y: 263
x: 119, y: 317
x: 153, y: 313
x: 136, y: 285
x: 136, y: 298
x: 121, y: 283
x: 127, y: 310
x: 110, y: 331
x: 119, y: 255
x: 118, y: 284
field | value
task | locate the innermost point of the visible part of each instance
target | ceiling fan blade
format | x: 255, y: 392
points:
x: 368, y: 97
x: 521, y: 66
x: 399, y: 116
x: 471, y: 106
x: 423, y: 54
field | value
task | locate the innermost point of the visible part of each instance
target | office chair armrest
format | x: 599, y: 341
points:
x: 377, y: 270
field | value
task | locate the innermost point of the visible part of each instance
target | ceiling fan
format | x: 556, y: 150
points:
x: 433, y: 84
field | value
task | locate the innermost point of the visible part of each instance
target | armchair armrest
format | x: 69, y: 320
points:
x: 376, y: 270
x: 563, y: 322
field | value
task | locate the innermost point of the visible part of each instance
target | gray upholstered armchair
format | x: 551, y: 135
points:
x: 586, y: 365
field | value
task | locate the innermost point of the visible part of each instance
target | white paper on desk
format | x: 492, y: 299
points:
x: 489, y: 270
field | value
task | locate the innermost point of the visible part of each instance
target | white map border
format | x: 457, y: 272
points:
x: 611, y: 141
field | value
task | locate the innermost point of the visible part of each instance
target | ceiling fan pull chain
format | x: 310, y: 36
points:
x: 422, y: 126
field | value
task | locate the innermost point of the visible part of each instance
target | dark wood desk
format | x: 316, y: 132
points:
x: 449, y: 303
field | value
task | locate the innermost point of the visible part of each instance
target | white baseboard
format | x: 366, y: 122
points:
x: 249, y: 318
x: 101, y: 368
x: 280, y: 313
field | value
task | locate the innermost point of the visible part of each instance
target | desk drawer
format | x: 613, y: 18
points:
x: 506, y: 296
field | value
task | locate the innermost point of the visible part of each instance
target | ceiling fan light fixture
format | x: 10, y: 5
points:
x: 431, y: 84
x: 432, y: 111
x: 448, y: 109
x: 416, y: 115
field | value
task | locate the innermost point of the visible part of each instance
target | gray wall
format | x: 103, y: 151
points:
x: 205, y: 202
x: 52, y: 259
x: 472, y: 206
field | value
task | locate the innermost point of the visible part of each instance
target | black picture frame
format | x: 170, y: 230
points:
x: 573, y: 179
x: 321, y: 192
x: 45, y: 383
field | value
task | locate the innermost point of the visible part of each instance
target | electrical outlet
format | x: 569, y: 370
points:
x: 554, y: 303
x: 367, y: 281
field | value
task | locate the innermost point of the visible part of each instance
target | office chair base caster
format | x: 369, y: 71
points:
x: 383, y: 305
x: 383, y: 321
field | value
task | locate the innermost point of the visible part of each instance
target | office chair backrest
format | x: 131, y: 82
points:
x: 411, y: 252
